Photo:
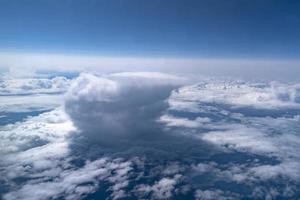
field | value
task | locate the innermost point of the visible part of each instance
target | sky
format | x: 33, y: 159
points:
x: 255, y: 39
x: 192, y: 28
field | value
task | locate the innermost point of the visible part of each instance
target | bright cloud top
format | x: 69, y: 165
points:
x: 118, y: 103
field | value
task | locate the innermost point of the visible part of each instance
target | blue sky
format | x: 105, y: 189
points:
x: 191, y: 28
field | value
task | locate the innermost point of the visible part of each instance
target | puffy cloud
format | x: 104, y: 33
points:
x: 118, y: 104
x: 237, y: 94
x: 289, y: 169
x: 70, y: 182
x: 34, y: 132
x: 243, y: 139
x: 25, y: 86
x: 172, y: 121
x: 214, y: 194
x: 38, y: 163
x: 162, y: 189
x: 31, y: 94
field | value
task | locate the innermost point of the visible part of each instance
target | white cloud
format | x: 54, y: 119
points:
x: 183, y: 122
x: 25, y: 86
x: 289, y: 169
x: 31, y: 94
x: 118, y: 103
x: 162, y: 189
x: 30, y: 103
x: 237, y: 94
x: 74, y: 183
x: 214, y: 194
x: 38, y: 151
x: 47, y: 127
x: 120, y: 179
x: 259, y: 119
x: 243, y: 139
x: 284, y: 146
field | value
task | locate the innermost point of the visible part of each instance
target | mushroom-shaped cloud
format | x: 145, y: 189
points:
x: 119, y: 105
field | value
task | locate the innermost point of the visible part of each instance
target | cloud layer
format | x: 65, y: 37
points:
x: 260, y: 120
x: 241, y: 94
x: 145, y: 136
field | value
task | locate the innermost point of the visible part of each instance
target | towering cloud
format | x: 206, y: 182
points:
x: 122, y: 105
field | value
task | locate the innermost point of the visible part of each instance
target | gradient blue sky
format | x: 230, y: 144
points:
x: 186, y: 28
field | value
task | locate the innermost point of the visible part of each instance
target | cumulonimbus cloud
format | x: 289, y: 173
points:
x: 120, y: 104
